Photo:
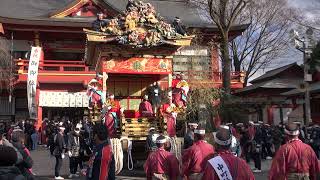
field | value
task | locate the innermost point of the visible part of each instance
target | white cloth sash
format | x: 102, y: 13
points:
x: 220, y: 168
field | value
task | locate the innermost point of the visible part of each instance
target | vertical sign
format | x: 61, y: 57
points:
x: 32, y: 81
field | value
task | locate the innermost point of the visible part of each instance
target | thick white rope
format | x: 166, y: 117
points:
x: 130, y: 161
x: 176, y: 147
x: 118, y: 154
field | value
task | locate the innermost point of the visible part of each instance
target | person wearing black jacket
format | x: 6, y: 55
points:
x: 75, y: 144
x: 256, y: 149
x: 25, y: 165
x: 8, y: 157
x: 58, y: 152
x: 99, y: 23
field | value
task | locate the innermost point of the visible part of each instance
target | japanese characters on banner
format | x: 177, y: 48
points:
x: 63, y: 99
x: 32, y: 81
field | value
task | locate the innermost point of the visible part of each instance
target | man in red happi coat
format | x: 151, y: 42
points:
x: 145, y: 107
x: 115, y: 106
x: 295, y: 159
x: 195, y: 157
x: 161, y: 164
x: 224, y: 165
x: 168, y: 111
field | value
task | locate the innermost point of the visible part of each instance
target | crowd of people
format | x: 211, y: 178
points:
x: 234, y: 146
x: 90, y: 153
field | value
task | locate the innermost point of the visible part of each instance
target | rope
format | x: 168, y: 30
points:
x: 118, y: 154
x: 130, y: 161
x: 176, y: 147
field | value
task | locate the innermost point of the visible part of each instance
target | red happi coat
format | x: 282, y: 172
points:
x: 238, y: 168
x: 145, y: 109
x: 252, y: 132
x: 171, y: 120
x: 195, y: 157
x: 162, y: 162
x: 177, y: 97
x: 294, y: 157
x: 115, y: 107
x: 109, y: 123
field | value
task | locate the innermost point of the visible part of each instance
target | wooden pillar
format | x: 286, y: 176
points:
x: 104, y: 85
x: 170, y: 81
x: 39, y: 120
x: 39, y: 110
x: 270, y: 115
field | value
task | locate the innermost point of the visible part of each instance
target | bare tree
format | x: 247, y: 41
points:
x: 265, y: 39
x: 224, y: 13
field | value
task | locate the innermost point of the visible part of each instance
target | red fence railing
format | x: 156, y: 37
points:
x: 55, y: 66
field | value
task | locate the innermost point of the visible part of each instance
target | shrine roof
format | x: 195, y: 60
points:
x: 37, y: 12
x: 274, y: 72
x: 313, y: 88
x: 277, y: 83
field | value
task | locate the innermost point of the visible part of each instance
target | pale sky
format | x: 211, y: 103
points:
x: 310, y: 9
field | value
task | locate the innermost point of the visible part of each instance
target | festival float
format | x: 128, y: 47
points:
x: 132, y: 53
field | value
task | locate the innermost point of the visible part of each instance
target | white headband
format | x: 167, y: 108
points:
x: 200, y: 131
x: 292, y: 133
x: 192, y: 124
x: 161, y: 141
x: 224, y: 127
x: 220, y: 142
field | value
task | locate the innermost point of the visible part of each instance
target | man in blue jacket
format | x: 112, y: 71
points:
x: 101, y: 163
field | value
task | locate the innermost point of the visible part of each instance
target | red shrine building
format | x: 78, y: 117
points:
x: 64, y: 71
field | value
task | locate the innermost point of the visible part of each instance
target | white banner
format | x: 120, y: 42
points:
x: 63, y: 99
x: 32, y: 81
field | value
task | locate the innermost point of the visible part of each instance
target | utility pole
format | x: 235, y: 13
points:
x: 306, y: 87
x: 305, y: 45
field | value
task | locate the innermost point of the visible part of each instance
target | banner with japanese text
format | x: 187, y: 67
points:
x: 32, y: 81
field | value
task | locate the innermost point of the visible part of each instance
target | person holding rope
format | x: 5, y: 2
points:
x: 161, y: 164
x: 195, y: 157
x: 224, y: 165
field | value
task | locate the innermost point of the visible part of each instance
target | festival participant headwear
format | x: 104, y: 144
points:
x: 98, y: 75
x: 161, y: 139
x: 93, y: 81
x: 146, y: 97
x: 79, y: 126
x: 152, y: 129
x: 223, y: 137
x: 239, y: 124
x: 61, y: 127
x: 297, y: 122
x: 192, y: 123
x: 251, y: 122
x: 177, y: 18
x: 200, y: 131
x: 292, y: 129
x: 225, y: 127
